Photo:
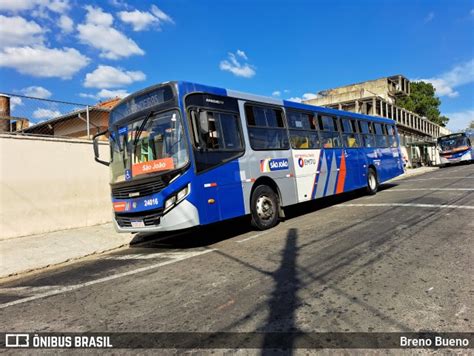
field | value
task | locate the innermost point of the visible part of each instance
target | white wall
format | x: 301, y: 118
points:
x: 49, y: 184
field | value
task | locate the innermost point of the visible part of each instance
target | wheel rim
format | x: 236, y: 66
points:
x: 372, y: 182
x: 265, y: 208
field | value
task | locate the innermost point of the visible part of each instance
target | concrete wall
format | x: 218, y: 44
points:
x: 49, y: 184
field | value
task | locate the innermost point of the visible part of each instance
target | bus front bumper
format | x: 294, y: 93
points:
x: 182, y: 216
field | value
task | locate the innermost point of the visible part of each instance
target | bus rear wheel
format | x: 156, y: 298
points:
x: 372, y: 182
x: 264, y: 207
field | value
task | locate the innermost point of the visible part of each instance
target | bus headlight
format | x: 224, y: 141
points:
x: 176, y: 198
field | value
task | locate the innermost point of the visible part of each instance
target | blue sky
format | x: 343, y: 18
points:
x: 85, y: 51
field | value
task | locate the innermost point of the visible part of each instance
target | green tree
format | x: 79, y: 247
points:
x: 424, y: 102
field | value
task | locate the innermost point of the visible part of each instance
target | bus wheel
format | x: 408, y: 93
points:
x: 264, y: 207
x: 372, y: 182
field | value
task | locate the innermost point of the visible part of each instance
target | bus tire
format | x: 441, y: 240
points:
x: 264, y: 207
x: 372, y: 182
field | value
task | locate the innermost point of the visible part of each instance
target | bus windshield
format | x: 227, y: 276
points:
x: 150, y: 145
x: 452, y: 143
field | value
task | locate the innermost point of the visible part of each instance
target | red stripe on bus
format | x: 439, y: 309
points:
x: 342, y: 175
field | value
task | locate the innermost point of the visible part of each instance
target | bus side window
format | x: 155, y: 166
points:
x: 266, y: 128
x: 366, y: 130
x: 302, y: 127
x: 330, y: 137
x: 380, y: 139
x: 350, y: 138
x: 219, y: 131
x: 217, y: 138
x: 392, y: 139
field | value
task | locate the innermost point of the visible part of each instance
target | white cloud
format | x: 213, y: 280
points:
x: 87, y: 95
x: 97, y: 16
x: 16, y: 31
x: 142, y: 20
x: 242, y: 54
x: 446, y: 83
x: 108, y: 94
x: 305, y: 96
x: 58, y: 6
x: 111, y: 77
x: 66, y: 23
x: 45, y: 114
x: 98, y: 33
x: 160, y: 14
x: 429, y: 17
x: 14, y: 102
x: 276, y: 93
x: 40, y: 61
x: 119, y: 3
x: 235, y: 67
x: 460, y: 120
x: 37, y: 92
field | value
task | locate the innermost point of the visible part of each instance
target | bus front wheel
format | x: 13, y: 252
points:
x: 264, y: 207
x: 372, y: 182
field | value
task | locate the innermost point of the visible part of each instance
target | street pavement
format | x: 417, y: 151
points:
x: 401, y: 260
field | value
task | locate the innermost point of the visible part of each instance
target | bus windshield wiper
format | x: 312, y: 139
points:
x: 142, y: 127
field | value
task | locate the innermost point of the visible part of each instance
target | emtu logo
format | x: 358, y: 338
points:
x: 17, y: 340
x: 301, y: 162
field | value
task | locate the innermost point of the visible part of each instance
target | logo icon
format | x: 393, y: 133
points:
x: 273, y: 164
x: 17, y: 340
x: 301, y: 162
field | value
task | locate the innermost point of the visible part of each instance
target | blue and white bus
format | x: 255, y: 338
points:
x: 456, y: 148
x: 185, y: 154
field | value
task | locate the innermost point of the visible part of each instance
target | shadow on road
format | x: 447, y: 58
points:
x: 283, y: 301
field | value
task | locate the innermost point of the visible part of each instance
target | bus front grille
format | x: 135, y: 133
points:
x: 149, y: 218
x: 138, y: 190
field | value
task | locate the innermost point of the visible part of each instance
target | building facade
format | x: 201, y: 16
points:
x: 378, y: 97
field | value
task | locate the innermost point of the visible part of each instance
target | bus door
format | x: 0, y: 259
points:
x: 218, y: 143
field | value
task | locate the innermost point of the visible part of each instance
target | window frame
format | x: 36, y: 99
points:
x: 355, y: 131
x: 251, y: 104
x: 338, y: 129
x: 313, y: 131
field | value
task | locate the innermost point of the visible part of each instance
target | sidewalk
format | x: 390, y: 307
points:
x: 28, y: 253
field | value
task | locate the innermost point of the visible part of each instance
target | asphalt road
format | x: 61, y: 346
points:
x: 401, y: 260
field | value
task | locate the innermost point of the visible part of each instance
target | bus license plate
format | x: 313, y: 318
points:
x: 138, y: 223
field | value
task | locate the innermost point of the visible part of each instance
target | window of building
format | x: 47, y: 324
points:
x: 266, y: 128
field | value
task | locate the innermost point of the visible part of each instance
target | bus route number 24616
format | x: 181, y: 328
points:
x: 151, y: 202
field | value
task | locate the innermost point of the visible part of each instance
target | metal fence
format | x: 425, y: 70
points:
x: 25, y: 115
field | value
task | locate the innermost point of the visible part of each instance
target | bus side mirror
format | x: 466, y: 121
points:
x: 96, y: 147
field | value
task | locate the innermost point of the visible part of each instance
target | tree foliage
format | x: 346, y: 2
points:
x: 424, y: 102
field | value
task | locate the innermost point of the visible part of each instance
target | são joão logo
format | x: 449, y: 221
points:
x: 275, y: 164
